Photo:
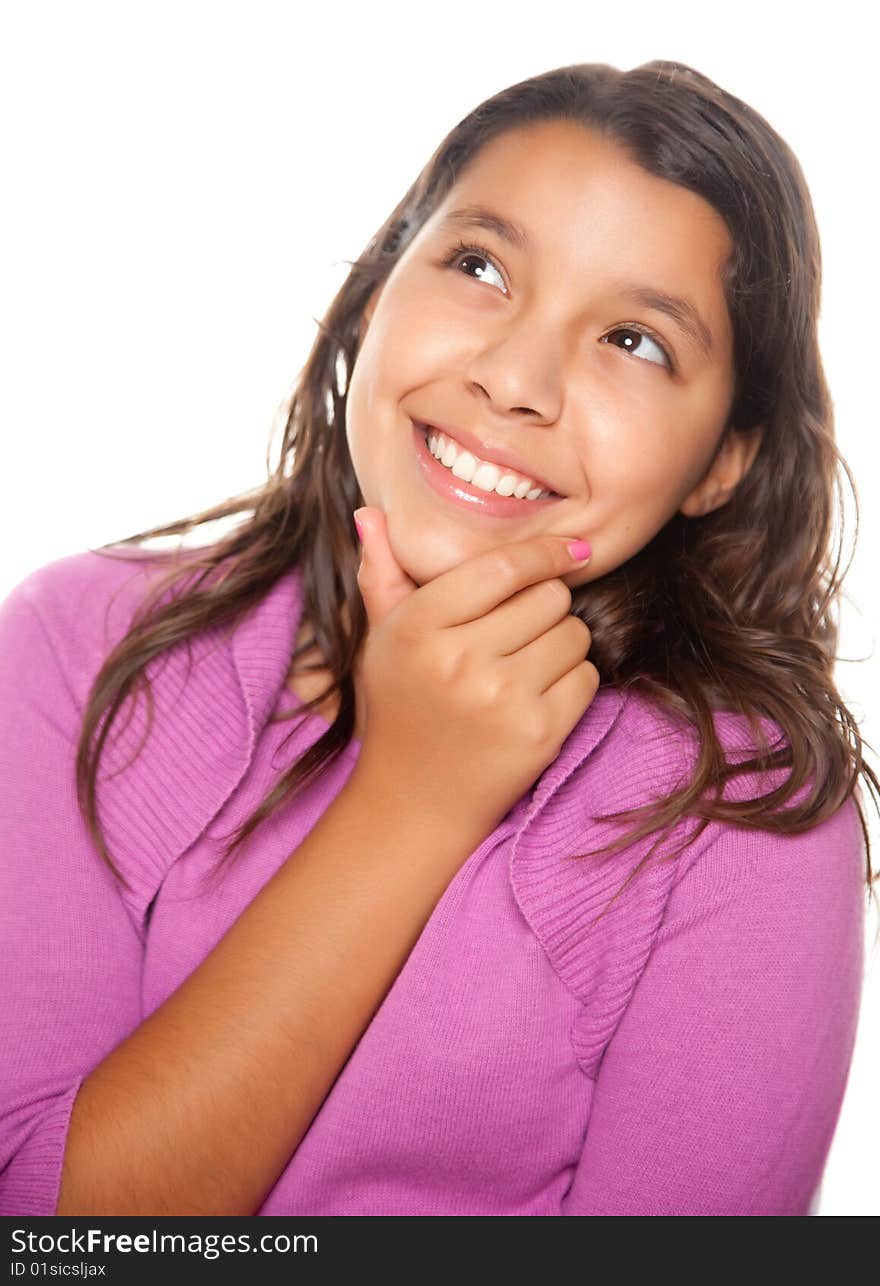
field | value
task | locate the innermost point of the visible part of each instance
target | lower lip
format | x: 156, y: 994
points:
x: 446, y: 484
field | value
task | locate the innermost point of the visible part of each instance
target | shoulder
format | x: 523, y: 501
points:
x: 599, y: 917
x: 174, y: 755
x: 83, y: 603
x: 96, y: 573
x: 650, y: 751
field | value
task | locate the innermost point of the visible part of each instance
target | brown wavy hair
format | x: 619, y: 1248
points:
x: 734, y: 610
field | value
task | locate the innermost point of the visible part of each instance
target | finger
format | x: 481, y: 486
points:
x: 521, y: 619
x: 549, y: 658
x: 474, y: 587
x: 570, y: 696
x: 382, y: 581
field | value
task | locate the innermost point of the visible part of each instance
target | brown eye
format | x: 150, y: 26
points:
x: 641, y: 333
x: 462, y: 252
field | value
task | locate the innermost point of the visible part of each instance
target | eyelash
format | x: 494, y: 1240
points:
x: 462, y: 249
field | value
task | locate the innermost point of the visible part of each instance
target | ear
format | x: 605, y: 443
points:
x: 733, y: 459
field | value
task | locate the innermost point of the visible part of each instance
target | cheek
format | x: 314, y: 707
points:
x: 644, y: 473
x: 635, y: 490
x: 419, y: 331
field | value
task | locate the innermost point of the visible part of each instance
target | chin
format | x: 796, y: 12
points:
x: 423, y: 566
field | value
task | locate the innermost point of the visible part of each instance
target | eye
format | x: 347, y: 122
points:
x: 461, y: 252
x: 643, y: 333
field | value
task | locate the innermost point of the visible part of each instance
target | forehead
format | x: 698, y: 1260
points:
x: 556, y: 168
x: 586, y: 204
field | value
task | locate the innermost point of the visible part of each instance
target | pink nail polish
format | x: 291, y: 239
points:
x: 579, y: 550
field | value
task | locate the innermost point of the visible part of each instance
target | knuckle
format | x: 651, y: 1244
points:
x: 593, y: 676
x: 494, y: 692
x: 530, y: 728
x: 507, y: 565
x: 583, y: 629
x: 559, y: 590
x: 450, y: 664
x: 547, y: 731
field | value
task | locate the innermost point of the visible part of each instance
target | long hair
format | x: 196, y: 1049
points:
x: 734, y: 610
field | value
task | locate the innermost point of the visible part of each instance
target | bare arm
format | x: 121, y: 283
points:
x: 199, y: 1110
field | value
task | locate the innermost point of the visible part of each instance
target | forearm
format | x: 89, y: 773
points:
x: 200, y: 1109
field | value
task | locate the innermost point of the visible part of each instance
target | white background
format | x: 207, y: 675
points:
x: 182, y: 183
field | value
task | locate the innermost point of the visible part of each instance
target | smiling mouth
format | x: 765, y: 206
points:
x: 426, y: 429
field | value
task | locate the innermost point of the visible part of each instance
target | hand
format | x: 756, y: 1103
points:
x: 472, y: 682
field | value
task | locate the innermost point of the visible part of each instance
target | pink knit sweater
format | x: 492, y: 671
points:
x: 686, y: 1055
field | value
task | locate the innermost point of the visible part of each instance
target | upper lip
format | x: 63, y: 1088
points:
x: 488, y: 451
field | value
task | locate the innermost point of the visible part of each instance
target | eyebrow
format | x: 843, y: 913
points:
x: 681, y: 311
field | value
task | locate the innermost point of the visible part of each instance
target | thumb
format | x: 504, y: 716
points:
x: 382, y: 581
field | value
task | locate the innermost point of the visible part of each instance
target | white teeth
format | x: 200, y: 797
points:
x: 479, y: 473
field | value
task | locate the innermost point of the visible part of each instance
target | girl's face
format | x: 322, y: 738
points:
x: 534, y: 349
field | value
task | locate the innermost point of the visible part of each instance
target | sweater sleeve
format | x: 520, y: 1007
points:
x: 70, y: 985
x: 720, y: 1089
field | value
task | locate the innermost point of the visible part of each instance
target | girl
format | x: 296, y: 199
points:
x: 435, y: 973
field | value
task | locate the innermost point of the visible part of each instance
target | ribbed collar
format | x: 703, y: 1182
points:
x: 212, y: 696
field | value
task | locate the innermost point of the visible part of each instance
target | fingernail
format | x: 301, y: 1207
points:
x: 579, y: 550
x: 360, y: 530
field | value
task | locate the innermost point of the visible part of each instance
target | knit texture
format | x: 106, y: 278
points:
x: 686, y: 1054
